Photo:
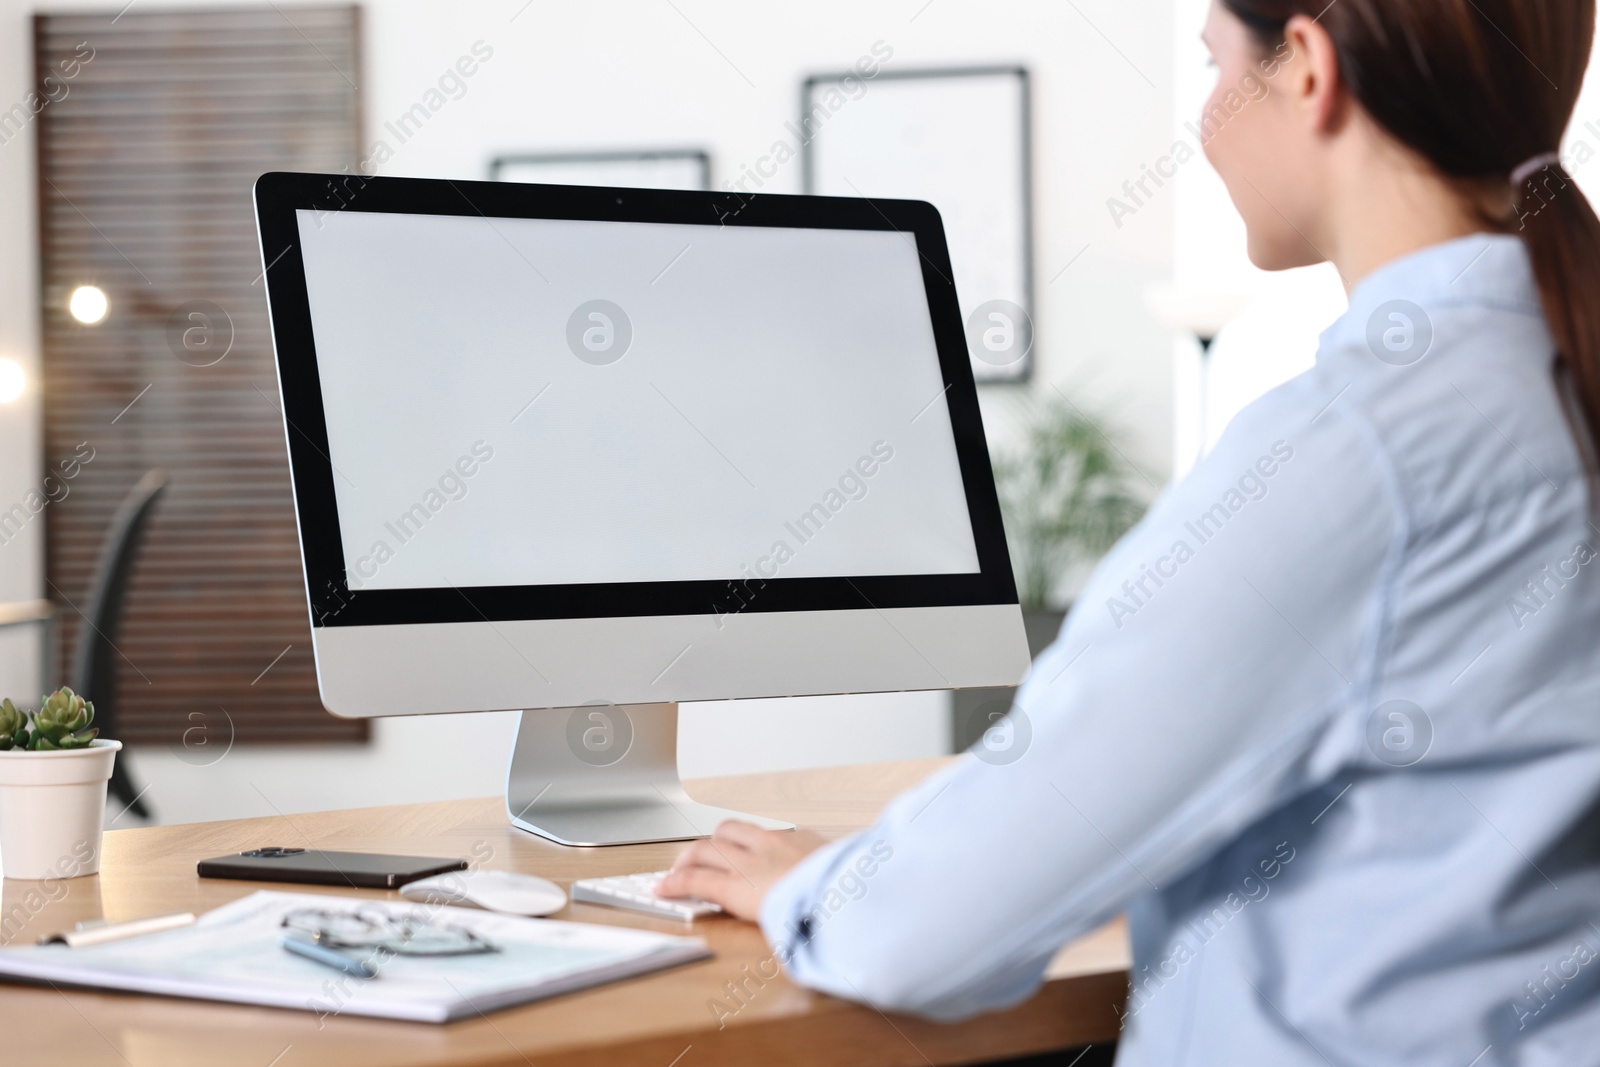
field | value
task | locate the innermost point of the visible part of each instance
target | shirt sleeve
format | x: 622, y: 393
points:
x: 1200, y: 681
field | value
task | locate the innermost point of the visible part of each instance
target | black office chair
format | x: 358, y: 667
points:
x: 94, y: 667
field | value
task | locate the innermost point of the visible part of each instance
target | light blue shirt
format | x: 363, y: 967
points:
x: 1326, y: 725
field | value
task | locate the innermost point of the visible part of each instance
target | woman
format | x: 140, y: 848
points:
x: 1326, y: 725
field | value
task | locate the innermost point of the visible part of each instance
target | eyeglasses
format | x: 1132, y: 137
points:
x: 406, y: 934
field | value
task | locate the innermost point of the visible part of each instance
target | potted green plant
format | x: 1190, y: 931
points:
x: 53, y: 773
x: 1067, y: 494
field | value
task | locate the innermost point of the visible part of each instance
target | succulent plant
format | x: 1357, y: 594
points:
x: 63, y: 721
x: 13, y: 726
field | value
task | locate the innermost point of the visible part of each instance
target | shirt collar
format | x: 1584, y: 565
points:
x: 1479, y: 270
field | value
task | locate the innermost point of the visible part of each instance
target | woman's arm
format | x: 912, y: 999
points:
x: 1208, y: 673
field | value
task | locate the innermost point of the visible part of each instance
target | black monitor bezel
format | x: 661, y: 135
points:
x: 278, y: 195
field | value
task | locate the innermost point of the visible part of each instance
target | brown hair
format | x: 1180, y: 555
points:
x: 1478, y: 88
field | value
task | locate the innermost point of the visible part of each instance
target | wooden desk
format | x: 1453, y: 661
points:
x: 659, y: 1020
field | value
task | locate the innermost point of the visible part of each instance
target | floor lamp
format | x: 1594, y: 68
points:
x: 1200, y: 314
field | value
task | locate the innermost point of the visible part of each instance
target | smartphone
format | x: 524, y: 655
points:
x: 364, y: 870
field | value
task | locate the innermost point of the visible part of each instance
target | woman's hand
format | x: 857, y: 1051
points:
x: 735, y: 866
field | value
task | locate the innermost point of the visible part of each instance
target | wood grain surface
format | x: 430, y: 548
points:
x: 667, y: 1019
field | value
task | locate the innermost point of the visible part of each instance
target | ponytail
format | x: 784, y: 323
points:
x: 1562, y: 235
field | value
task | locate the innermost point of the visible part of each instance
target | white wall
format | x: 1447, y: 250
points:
x: 725, y: 75
x: 21, y: 559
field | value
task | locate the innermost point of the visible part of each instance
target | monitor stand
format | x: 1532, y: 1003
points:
x: 606, y: 774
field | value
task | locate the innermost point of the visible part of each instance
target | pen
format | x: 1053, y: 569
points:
x: 329, y: 957
x: 98, y: 933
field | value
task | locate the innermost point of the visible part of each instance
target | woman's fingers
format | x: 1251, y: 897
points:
x: 737, y: 866
x: 703, y: 853
x: 706, y: 883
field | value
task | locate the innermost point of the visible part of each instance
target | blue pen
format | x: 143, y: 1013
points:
x: 329, y: 957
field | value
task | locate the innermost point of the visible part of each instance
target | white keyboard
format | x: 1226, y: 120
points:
x: 637, y: 893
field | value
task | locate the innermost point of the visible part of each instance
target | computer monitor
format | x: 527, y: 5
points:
x: 586, y: 453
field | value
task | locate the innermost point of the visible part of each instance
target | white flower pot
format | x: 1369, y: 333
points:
x: 52, y: 806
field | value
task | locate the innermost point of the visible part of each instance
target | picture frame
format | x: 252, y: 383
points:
x: 669, y: 168
x: 960, y: 138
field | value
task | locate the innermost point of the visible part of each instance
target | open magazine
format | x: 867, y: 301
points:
x: 235, y: 953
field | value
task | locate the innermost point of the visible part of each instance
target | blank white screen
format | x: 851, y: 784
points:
x: 769, y: 369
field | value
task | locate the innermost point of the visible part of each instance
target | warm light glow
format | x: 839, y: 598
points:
x: 12, y: 380
x: 88, y: 304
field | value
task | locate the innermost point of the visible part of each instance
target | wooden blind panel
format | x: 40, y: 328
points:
x: 146, y: 166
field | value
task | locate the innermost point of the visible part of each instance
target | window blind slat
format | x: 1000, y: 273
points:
x: 146, y: 168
